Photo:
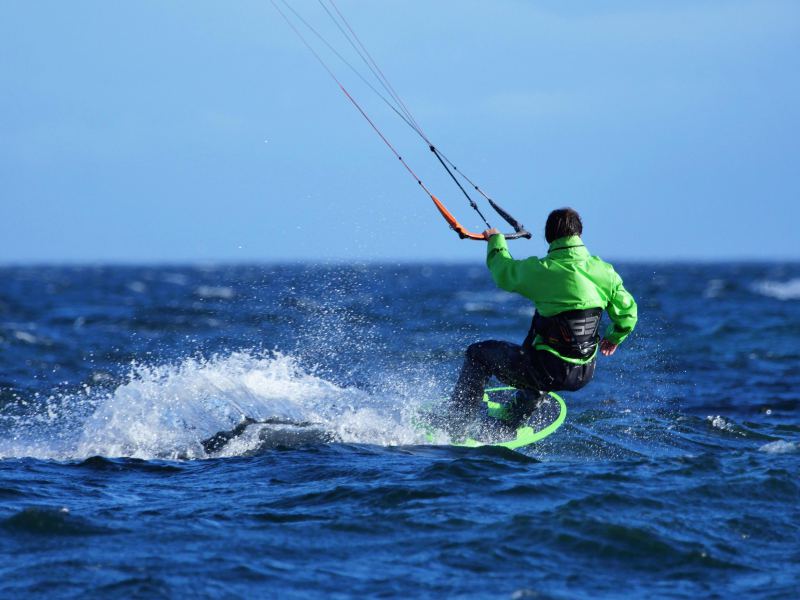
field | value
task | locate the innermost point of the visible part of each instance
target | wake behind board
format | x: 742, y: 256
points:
x: 256, y: 435
x: 491, y: 430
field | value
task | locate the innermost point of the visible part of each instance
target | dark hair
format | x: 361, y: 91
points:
x: 561, y: 223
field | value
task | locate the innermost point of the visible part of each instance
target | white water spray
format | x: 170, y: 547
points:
x: 166, y: 411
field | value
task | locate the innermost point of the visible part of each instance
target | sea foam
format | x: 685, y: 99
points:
x: 779, y: 447
x: 781, y: 290
x: 165, y: 411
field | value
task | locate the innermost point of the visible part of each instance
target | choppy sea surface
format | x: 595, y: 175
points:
x: 674, y: 476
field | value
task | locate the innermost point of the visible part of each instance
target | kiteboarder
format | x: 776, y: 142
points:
x: 570, y: 289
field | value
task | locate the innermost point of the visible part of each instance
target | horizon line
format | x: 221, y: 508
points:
x: 366, y: 262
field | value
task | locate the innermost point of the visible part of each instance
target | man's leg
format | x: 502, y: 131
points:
x: 504, y: 360
x: 524, y: 404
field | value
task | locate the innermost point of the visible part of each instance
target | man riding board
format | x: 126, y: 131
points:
x: 570, y: 289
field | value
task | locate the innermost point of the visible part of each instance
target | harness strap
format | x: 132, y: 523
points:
x: 572, y: 333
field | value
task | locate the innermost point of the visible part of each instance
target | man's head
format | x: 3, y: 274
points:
x: 561, y: 223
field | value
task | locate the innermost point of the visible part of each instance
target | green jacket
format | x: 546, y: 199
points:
x: 568, y: 278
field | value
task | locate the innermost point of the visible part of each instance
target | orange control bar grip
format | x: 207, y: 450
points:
x: 451, y: 220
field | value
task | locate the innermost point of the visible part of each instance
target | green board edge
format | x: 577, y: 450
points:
x: 525, y: 435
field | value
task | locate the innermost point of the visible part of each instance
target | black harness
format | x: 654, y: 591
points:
x: 572, y: 333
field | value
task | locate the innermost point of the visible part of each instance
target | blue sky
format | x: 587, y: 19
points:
x: 204, y: 131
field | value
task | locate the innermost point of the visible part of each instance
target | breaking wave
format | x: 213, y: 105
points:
x: 167, y: 411
x: 781, y: 290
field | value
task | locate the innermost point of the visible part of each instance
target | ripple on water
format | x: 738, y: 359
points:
x: 636, y: 545
x: 135, y: 587
x: 51, y: 522
x: 101, y: 463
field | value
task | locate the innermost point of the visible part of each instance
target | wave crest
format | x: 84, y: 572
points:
x: 167, y: 411
x: 781, y: 290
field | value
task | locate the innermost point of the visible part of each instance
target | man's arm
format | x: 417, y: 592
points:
x: 505, y: 270
x: 624, y: 314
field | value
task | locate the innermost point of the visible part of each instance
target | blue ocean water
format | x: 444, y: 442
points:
x: 675, y: 475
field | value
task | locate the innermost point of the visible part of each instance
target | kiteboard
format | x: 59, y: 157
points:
x: 491, y: 428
